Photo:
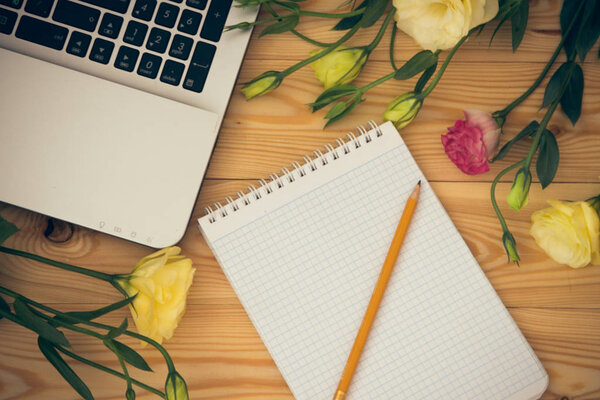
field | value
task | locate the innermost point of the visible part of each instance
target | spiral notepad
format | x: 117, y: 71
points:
x: 303, y: 251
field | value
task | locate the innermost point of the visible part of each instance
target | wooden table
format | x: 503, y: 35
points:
x: 216, y: 347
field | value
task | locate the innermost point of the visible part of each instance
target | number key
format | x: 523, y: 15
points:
x: 167, y: 15
x: 144, y: 9
x: 135, y: 33
x: 149, y: 65
x: 181, y: 47
x: 189, y: 22
x: 158, y: 40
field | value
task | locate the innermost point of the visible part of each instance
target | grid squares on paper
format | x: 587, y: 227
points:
x: 305, y: 271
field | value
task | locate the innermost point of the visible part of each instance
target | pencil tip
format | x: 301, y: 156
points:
x: 419, y: 183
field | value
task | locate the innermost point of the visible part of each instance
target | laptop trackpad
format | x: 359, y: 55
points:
x: 99, y: 154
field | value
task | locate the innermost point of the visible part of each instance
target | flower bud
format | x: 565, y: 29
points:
x: 403, y: 109
x: 510, y: 246
x: 175, y: 387
x: 262, y: 84
x: 339, y: 67
x: 130, y: 394
x: 518, y: 196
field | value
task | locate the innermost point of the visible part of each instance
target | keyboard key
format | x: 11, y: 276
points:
x: 77, y: 15
x: 199, y: 66
x: 172, y: 73
x: 189, y: 22
x: 158, y: 40
x: 42, y: 32
x: 39, y: 7
x: 199, y: 4
x: 181, y: 47
x: 167, y: 15
x: 119, y: 6
x: 177, y: 1
x: 110, y: 25
x: 12, y: 3
x: 7, y: 21
x: 101, y: 51
x: 215, y: 20
x: 126, y: 58
x: 78, y: 44
x: 144, y: 9
x: 149, y: 65
x: 135, y: 33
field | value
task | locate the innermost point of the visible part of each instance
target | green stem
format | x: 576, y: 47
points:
x: 392, y: 46
x: 112, y: 348
x: 442, y: 69
x: 541, y: 128
x: 321, y: 54
x: 295, y: 32
x: 58, y: 264
x: 504, y: 112
x: 379, y: 35
x: 377, y: 82
x: 331, y: 15
x: 109, y: 371
x: 493, y: 193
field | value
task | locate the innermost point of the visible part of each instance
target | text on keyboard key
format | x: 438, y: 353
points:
x: 189, y: 22
x: 110, y: 25
x: 144, y: 9
x: 39, y: 7
x: 167, y: 15
x: 12, y: 3
x: 126, y: 58
x: 181, y: 47
x: 158, y: 40
x: 119, y: 6
x: 149, y: 65
x: 42, y: 32
x: 7, y: 21
x: 101, y: 51
x: 135, y: 33
x: 199, y: 67
x: 172, y: 72
x: 78, y: 44
x: 215, y: 20
x: 77, y: 15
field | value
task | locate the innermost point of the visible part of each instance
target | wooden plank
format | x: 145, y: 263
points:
x: 219, y: 353
x: 537, y: 282
x: 262, y: 135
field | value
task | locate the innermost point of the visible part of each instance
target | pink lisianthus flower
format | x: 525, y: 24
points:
x: 470, y: 142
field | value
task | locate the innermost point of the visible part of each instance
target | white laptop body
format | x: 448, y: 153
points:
x: 106, y: 148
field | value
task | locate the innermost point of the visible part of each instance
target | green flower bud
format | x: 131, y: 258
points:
x: 175, y: 387
x: 403, y: 109
x: 339, y: 67
x: 518, y: 196
x: 130, y: 394
x: 262, y: 84
x: 510, y: 246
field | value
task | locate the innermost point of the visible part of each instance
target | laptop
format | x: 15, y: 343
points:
x: 110, y: 109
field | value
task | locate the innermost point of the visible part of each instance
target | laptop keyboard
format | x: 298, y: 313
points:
x: 173, y: 41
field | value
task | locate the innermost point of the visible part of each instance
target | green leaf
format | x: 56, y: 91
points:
x: 573, y: 95
x: 529, y: 130
x: 285, y: 25
x: 4, y: 306
x: 553, y: 88
x: 424, y: 78
x: 7, y: 229
x: 341, y: 109
x: 590, y: 31
x: 373, y: 12
x: 63, y: 368
x: 418, y: 63
x: 131, y: 356
x: 90, y: 315
x: 288, y: 5
x: 518, y: 21
x: 332, y: 94
x: 39, y: 325
x: 350, y: 22
x: 567, y: 13
x: 118, y: 331
x: 548, y: 157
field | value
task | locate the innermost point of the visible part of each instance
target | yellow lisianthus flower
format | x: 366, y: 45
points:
x: 569, y: 232
x: 262, y: 84
x: 339, y: 67
x: 160, y: 283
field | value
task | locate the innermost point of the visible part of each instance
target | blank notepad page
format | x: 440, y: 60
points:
x: 304, y: 251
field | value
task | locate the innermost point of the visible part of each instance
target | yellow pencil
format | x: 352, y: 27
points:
x: 384, y: 277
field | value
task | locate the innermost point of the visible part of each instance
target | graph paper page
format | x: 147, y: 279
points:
x: 304, y: 260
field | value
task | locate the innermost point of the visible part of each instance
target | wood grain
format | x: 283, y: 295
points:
x: 216, y: 347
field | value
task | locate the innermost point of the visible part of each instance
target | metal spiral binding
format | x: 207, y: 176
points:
x: 319, y: 159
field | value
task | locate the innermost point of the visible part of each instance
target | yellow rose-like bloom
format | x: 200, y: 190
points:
x: 569, y: 232
x: 402, y: 110
x: 339, y: 67
x: 160, y: 282
x: 262, y: 84
x: 440, y: 24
